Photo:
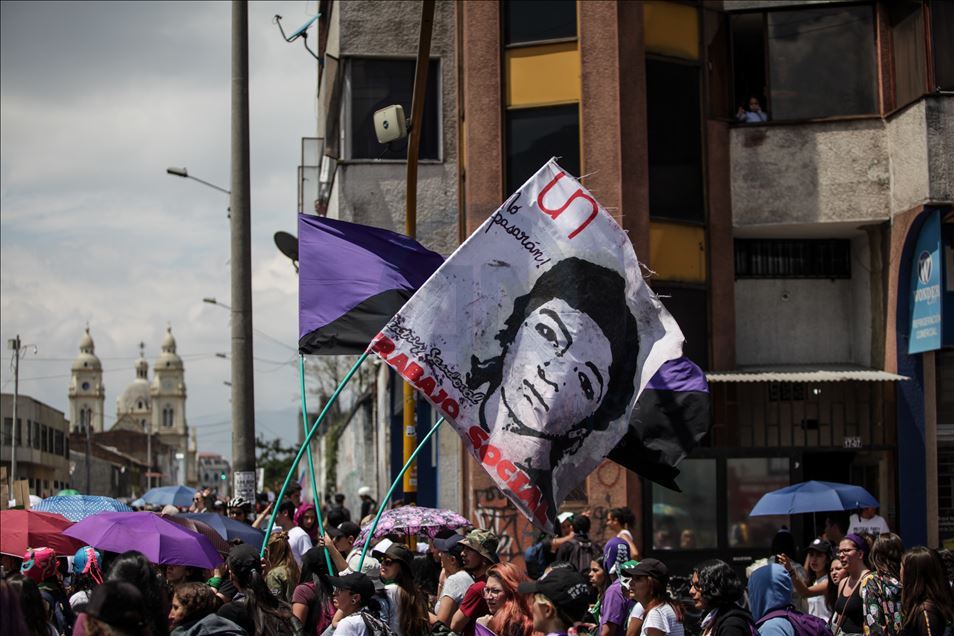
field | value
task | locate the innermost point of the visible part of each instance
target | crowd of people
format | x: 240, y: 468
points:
x: 314, y: 580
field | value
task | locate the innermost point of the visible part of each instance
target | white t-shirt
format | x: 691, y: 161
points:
x: 663, y: 618
x: 455, y: 587
x: 816, y: 604
x: 876, y: 525
x: 299, y: 542
x: 394, y: 596
x: 637, y: 612
x: 351, y: 625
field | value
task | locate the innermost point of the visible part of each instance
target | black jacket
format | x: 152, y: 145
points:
x: 734, y: 621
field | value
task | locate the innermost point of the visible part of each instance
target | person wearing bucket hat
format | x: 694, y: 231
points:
x: 479, y: 552
x: 39, y: 564
x: 560, y: 599
x: 87, y: 574
x: 456, y: 579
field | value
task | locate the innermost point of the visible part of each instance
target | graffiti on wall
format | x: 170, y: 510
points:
x: 495, y: 512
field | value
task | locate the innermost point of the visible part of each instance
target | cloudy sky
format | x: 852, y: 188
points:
x: 96, y: 101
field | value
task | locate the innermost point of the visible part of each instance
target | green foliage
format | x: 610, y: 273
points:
x: 274, y: 458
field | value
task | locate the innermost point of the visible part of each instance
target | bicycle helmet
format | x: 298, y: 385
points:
x: 239, y: 502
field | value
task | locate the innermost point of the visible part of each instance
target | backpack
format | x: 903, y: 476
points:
x: 375, y: 626
x: 535, y: 558
x: 804, y: 624
x: 581, y: 553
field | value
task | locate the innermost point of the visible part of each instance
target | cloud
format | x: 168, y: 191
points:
x: 96, y: 101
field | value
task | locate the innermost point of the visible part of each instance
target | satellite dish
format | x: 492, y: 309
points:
x: 300, y: 30
x: 288, y: 245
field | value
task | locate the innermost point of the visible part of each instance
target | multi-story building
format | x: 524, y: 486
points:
x: 214, y: 473
x: 796, y: 247
x: 42, y: 444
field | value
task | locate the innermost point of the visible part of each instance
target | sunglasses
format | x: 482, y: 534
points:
x: 388, y: 561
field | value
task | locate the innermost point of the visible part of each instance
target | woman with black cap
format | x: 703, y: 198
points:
x: 357, y: 614
x: 411, y: 603
x: 662, y: 614
x: 456, y: 579
x: 813, y: 586
x: 255, y: 609
x: 116, y: 608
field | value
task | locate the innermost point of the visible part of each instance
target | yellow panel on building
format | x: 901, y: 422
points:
x: 542, y: 75
x: 677, y: 252
x: 671, y: 29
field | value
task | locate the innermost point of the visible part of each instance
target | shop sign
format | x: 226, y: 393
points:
x: 927, y: 297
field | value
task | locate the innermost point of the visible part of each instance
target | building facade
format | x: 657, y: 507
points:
x: 42, y: 444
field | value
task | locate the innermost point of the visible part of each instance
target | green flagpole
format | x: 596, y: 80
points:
x: 304, y: 447
x: 311, y: 465
x: 397, y: 480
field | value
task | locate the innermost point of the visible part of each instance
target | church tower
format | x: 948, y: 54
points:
x: 87, y: 395
x: 134, y: 409
x: 169, y: 392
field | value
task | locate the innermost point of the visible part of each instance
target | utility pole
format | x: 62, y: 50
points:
x: 15, y: 345
x: 243, y: 389
x: 410, y: 220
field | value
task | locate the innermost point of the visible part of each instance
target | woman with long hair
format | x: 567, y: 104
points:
x: 848, y: 613
x: 813, y: 585
x: 836, y: 573
x: 716, y: 591
x: 134, y: 568
x: 881, y: 593
x: 509, y: 610
x: 193, y: 612
x: 282, y: 571
x: 927, y: 601
x: 599, y: 581
x: 412, y: 616
x: 36, y: 618
x: 662, y: 613
x: 257, y: 611
x: 312, y: 599
x: 307, y: 519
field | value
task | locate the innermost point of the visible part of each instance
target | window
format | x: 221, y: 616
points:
x: 942, y: 39
x: 534, y: 135
x: 910, y: 60
x: 36, y: 435
x: 689, y: 306
x: 747, y: 480
x: 793, y: 258
x: 45, y: 439
x: 527, y: 21
x: 58, y: 448
x: 167, y: 414
x: 20, y: 431
x: 687, y: 519
x: 7, y: 430
x: 375, y: 83
x: 675, y: 141
x: 821, y: 62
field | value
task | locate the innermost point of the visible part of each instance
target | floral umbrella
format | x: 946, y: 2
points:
x: 413, y: 520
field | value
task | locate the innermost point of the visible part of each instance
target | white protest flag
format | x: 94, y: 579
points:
x: 534, y: 340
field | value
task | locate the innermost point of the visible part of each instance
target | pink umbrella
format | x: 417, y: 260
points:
x: 160, y: 540
x: 413, y: 520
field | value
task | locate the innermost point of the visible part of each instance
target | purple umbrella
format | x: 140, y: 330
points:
x: 162, y: 541
x: 415, y: 520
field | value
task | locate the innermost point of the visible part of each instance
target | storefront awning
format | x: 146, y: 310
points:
x: 801, y: 373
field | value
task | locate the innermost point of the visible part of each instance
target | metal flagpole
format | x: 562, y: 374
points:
x: 311, y: 465
x: 397, y: 480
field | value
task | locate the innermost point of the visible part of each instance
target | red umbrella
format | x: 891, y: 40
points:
x: 22, y: 529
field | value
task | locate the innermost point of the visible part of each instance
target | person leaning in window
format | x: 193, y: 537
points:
x: 754, y: 115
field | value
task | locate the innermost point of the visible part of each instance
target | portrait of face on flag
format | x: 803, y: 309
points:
x: 535, y: 339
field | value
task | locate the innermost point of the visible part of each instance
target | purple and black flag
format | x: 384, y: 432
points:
x: 671, y: 416
x: 352, y: 280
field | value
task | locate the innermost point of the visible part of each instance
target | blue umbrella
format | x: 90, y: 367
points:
x: 78, y: 507
x: 229, y: 528
x: 180, y: 496
x: 813, y: 496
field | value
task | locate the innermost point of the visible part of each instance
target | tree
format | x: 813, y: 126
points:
x: 274, y: 458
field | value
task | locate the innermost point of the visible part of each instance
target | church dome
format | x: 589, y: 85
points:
x: 168, y: 359
x: 135, y: 398
x: 87, y: 359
